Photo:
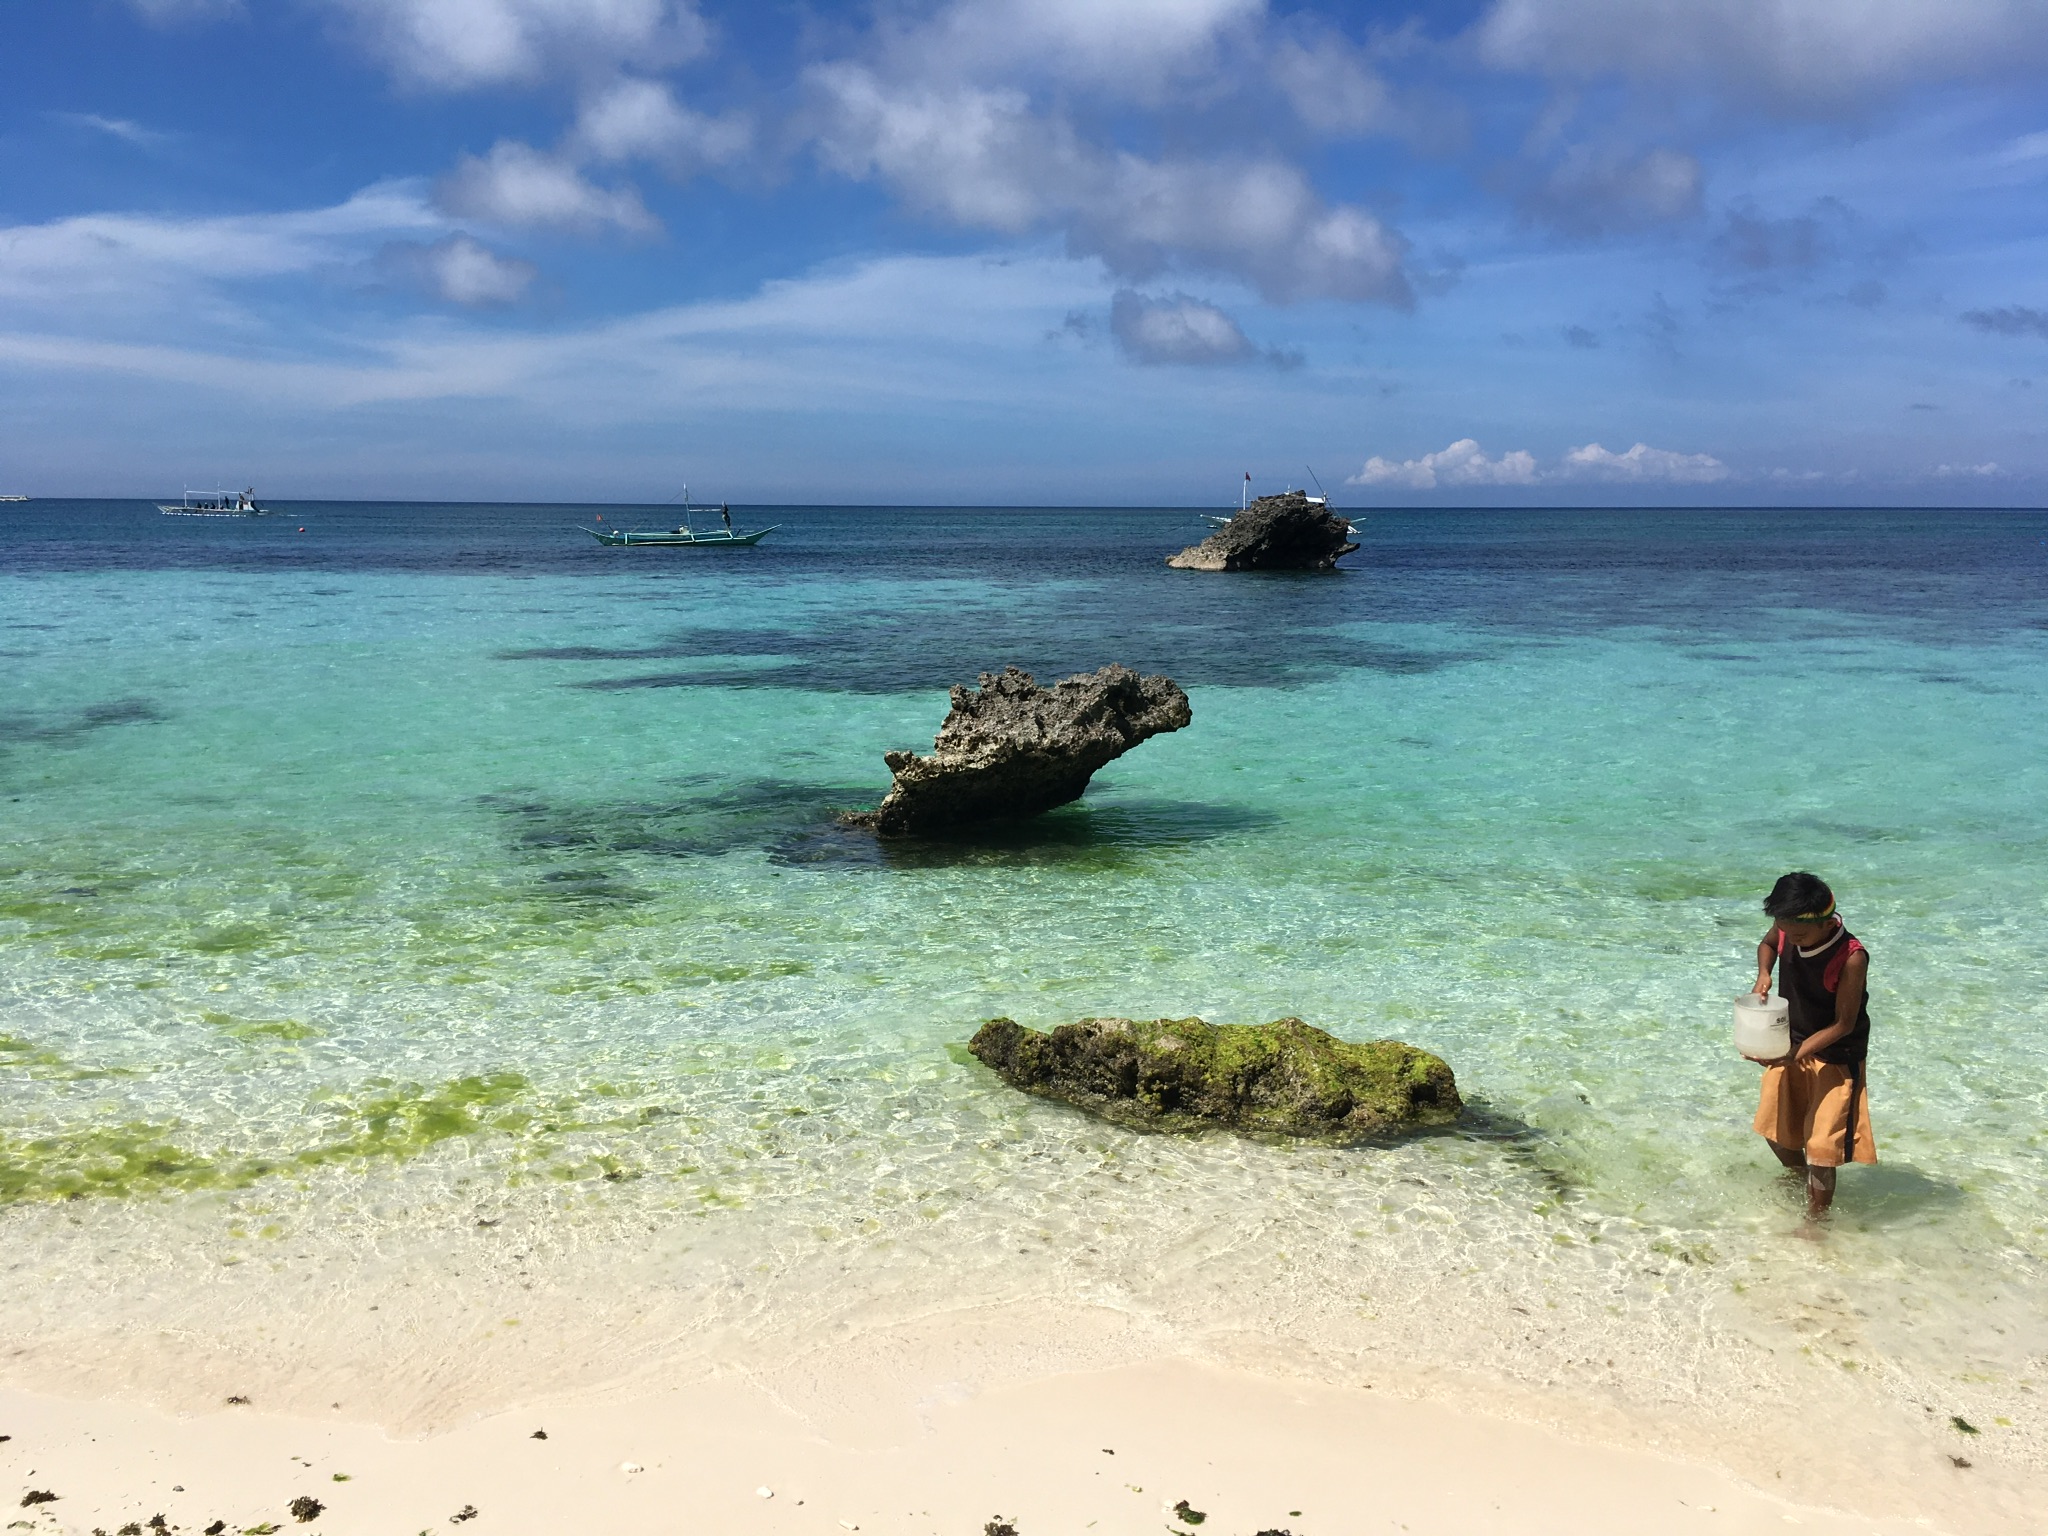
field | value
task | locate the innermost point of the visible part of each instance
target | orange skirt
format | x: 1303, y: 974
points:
x: 1819, y: 1107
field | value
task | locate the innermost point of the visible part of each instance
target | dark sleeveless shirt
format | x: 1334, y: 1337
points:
x: 1808, y: 987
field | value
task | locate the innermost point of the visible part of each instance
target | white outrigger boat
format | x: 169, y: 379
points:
x: 1218, y: 519
x: 242, y: 504
x: 725, y: 537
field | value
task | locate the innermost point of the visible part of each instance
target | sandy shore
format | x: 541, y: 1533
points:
x: 1109, y: 1451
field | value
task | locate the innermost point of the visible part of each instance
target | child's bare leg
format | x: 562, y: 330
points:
x: 1791, y: 1157
x: 1820, y: 1191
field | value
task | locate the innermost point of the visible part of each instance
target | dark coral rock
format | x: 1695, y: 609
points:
x: 305, y: 1508
x: 1274, y: 533
x: 1013, y: 749
x: 1287, y: 1077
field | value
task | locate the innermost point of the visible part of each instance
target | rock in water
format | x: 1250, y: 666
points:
x: 1181, y: 1074
x: 1274, y: 533
x: 1015, y: 749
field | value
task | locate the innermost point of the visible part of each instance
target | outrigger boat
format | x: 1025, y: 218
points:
x: 242, y: 504
x: 684, y: 534
x: 1219, y: 519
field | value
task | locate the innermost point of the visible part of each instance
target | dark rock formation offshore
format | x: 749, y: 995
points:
x: 1274, y: 533
x: 1286, y: 1077
x: 1014, y: 749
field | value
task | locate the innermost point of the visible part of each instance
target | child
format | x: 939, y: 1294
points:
x: 1814, y: 1110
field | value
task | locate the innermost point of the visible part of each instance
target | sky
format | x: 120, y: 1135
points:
x: 1016, y: 252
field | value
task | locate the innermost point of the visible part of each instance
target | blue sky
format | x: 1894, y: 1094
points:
x: 1014, y: 251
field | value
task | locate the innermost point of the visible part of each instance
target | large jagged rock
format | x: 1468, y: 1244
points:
x: 1014, y: 749
x: 1274, y: 533
x: 1285, y: 1077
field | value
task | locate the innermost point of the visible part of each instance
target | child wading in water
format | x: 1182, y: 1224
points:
x: 1814, y: 1109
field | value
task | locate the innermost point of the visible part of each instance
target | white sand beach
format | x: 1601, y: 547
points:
x: 938, y: 1428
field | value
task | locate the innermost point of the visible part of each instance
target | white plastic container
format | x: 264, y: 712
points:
x: 1763, y: 1026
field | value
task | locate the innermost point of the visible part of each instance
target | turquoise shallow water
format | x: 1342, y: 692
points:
x: 430, y: 856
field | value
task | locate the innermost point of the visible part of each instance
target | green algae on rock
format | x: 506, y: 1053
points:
x: 1286, y: 1077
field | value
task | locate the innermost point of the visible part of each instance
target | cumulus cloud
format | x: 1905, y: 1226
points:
x: 641, y: 119
x: 2011, y: 320
x: 985, y: 159
x: 1131, y: 47
x: 458, y: 270
x: 1642, y: 463
x: 517, y: 186
x: 1591, y: 190
x: 1179, y: 328
x: 1330, y: 86
x: 1967, y: 471
x: 1799, y: 54
x: 458, y: 44
x: 1462, y: 463
x: 1465, y: 463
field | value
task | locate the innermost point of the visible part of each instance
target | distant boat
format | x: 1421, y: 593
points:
x: 685, y: 534
x: 242, y: 504
x: 13, y: 498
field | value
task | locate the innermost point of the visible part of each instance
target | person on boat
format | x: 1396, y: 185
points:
x: 725, y: 511
x: 1814, y: 1105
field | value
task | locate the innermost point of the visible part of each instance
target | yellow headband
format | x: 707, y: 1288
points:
x: 1814, y: 917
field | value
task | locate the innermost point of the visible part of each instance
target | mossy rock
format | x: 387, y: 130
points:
x: 1287, y: 1078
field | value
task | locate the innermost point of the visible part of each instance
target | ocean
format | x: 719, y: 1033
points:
x: 425, y: 901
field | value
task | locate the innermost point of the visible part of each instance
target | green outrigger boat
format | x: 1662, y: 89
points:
x: 724, y: 537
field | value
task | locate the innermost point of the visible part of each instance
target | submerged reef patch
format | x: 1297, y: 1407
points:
x: 1287, y: 1077
x: 388, y: 1120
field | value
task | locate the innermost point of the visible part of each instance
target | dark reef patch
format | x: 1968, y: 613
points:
x: 69, y: 728
x: 1239, y: 641
x: 796, y: 825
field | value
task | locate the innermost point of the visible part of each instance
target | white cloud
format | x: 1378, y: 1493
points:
x: 1967, y: 471
x: 916, y: 332
x: 1176, y: 328
x: 456, y: 44
x: 114, y: 260
x: 1131, y: 48
x: 1642, y: 463
x: 641, y: 119
x: 517, y: 186
x: 985, y: 159
x: 1462, y: 463
x: 1330, y: 87
x: 1801, y: 54
x: 459, y: 270
x: 2025, y: 149
x: 114, y: 127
